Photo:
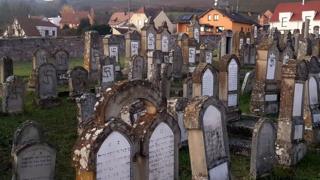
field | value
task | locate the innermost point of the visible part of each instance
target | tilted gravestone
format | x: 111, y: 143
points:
x: 13, y: 95
x: 6, y: 68
x: 62, y: 65
x: 46, y: 86
x: 205, y: 81
x: 205, y: 119
x: 136, y: 68
x: 78, y: 81
x: 92, y: 54
x: 229, y: 85
x: 133, y: 46
x: 263, y: 156
x: 33, y: 158
x: 290, y: 144
x: 85, y: 109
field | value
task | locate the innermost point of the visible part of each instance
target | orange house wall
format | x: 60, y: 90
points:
x: 182, y: 28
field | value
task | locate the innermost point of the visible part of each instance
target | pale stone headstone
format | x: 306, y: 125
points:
x: 13, y: 95
x: 6, y: 68
x: 165, y: 44
x: 114, y: 158
x: 262, y: 149
x: 78, y: 81
x: 40, y: 57
x: 47, y: 82
x: 134, y: 48
x: 132, y: 41
x: 62, y: 64
x: 35, y: 161
x: 92, y: 54
x: 136, y: 68
x: 207, y: 83
x: 107, y: 75
x: 192, y: 55
x: 248, y: 82
x: 205, y: 80
x: 151, y: 41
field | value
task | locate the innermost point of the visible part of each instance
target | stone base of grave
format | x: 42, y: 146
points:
x: 312, y: 135
x: 48, y: 103
x: 289, y: 154
x: 240, y: 134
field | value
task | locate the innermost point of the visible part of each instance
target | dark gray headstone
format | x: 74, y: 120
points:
x: 6, y: 68
x: 78, y: 81
x: 40, y: 57
x: 62, y: 64
x: 47, y: 81
x: 13, y: 95
x: 136, y: 66
x: 85, y: 104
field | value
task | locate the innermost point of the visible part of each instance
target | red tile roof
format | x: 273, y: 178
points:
x: 29, y: 25
x: 74, y: 17
x: 296, y: 8
x: 119, y: 17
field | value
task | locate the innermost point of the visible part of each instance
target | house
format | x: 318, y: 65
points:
x: 224, y: 19
x: 163, y: 17
x: 141, y: 16
x: 72, y: 18
x: 264, y: 18
x: 183, y: 22
x: 290, y: 16
x: 31, y: 27
x: 55, y: 20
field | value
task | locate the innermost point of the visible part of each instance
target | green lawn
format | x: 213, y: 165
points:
x: 60, y: 124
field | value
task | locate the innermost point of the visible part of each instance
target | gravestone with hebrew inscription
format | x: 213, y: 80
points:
x: 13, y: 95
x: 112, y: 49
x: 163, y: 39
x: 205, y: 121
x: 133, y: 46
x: 229, y: 85
x: 62, y: 65
x: 85, y: 109
x: 46, y: 86
x: 92, y: 54
x: 78, y: 81
x: 193, y: 59
x: 148, y: 37
x: 6, y: 68
x: 205, y: 81
x: 290, y: 144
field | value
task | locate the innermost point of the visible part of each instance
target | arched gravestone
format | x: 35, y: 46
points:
x: 113, y: 159
x: 132, y: 39
x: 151, y: 41
x: 248, y: 82
x: 163, y: 38
x: 13, y: 95
x: 263, y: 148
x: 177, y: 61
x: 6, y: 68
x: 233, y: 73
x: 204, y: 120
x: 205, y: 80
x: 61, y: 62
x: 136, y: 68
x: 40, y: 57
x: 313, y: 91
x: 78, y: 81
x: 111, y: 46
x: 272, y: 59
x: 35, y: 161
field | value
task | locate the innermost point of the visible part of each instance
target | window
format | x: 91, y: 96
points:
x: 284, y: 21
x: 201, y: 28
x: 220, y: 29
x: 46, y: 32
x: 209, y: 17
x: 53, y: 33
x: 216, y: 17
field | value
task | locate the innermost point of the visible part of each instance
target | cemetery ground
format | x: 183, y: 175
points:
x: 60, y: 125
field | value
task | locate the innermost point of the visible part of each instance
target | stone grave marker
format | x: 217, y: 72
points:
x: 226, y: 43
x: 92, y: 54
x: 263, y: 156
x: 108, y: 72
x: 204, y: 120
x: 187, y: 87
x: 133, y: 39
x: 229, y: 90
x: 183, y: 43
x: 85, y: 109
x: 248, y: 82
x: 13, y: 95
x: 163, y: 38
x: 155, y: 59
x: 78, y: 81
x: 148, y: 37
x: 136, y: 68
x: 40, y: 56
x: 206, y: 53
x: 193, y: 54
x: 62, y: 65
x: 46, y: 85
x: 6, y: 68
x: 111, y: 46
x: 177, y: 62
x: 194, y: 28
x: 253, y: 54
x: 288, y: 52
x: 290, y: 145
x: 165, y: 83
x: 205, y: 81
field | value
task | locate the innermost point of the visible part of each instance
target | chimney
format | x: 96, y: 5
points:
x: 303, y: 2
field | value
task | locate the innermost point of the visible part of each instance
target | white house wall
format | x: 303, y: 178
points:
x: 162, y: 16
x: 42, y: 30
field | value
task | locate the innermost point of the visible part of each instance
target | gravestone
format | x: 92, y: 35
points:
x: 136, y: 68
x: 206, y: 54
x: 163, y: 38
x: 85, y: 109
x: 155, y: 59
x: 194, y: 28
x: 205, y: 81
x: 253, y: 54
x: 13, y: 95
x: 46, y: 86
x: 229, y: 88
x: 6, y: 68
x: 188, y: 87
x: 132, y: 44
x: 148, y: 37
x: 177, y: 62
x: 165, y: 83
x: 263, y: 149
x: 226, y: 46
x: 193, y: 52
x: 290, y: 144
x: 78, y: 81
x: 62, y: 65
x: 108, y: 72
x: 248, y: 82
x: 92, y: 55
x: 204, y: 120
x: 183, y: 41
x: 40, y: 57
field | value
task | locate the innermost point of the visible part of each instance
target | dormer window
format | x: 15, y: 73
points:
x: 284, y: 22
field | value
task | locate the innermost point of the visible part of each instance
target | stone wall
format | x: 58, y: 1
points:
x: 22, y: 49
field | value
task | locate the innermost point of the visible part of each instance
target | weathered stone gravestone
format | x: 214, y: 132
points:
x: 108, y: 72
x: 62, y: 65
x: 46, y: 85
x: 155, y: 59
x: 263, y: 156
x: 78, y: 81
x: 248, y: 54
x: 187, y: 87
x: 136, y: 68
x: 290, y: 144
x: 13, y: 95
x: 163, y: 38
x: 194, y: 28
x: 205, y: 120
x: 265, y: 94
x: 92, y: 55
x: 288, y: 52
x: 206, y: 54
x: 148, y: 37
x: 85, y: 109
x: 226, y: 43
x: 111, y: 46
x: 229, y: 85
x: 165, y: 82
x: 108, y: 149
x: 192, y: 54
x: 177, y: 61
x: 6, y: 68
x: 248, y: 82
x: 40, y: 57
x: 133, y: 39
x: 205, y: 81
x: 33, y: 158
x: 183, y: 41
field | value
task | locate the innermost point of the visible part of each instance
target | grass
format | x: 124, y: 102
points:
x: 60, y: 124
